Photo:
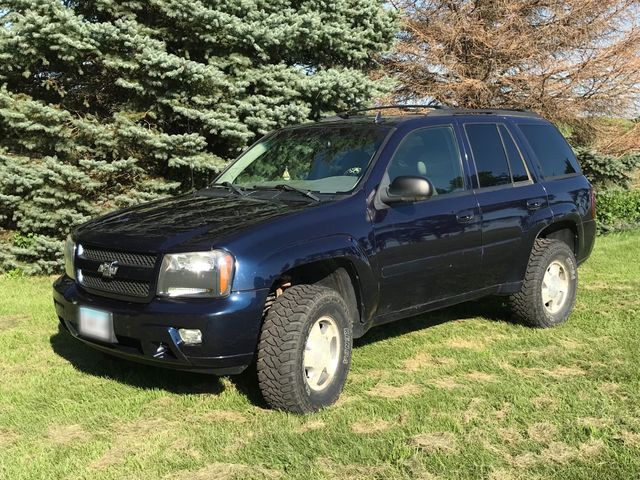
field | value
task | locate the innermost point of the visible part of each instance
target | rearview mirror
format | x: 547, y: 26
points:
x: 408, y: 189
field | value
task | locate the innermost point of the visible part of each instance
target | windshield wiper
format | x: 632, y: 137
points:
x: 229, y: 186
x: 289, y: 188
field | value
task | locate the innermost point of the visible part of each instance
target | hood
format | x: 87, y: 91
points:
x: 195, y: 221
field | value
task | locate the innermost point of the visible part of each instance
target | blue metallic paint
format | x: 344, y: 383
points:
x: 406, y: 258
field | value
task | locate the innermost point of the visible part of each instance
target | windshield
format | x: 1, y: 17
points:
x: 322, y: 159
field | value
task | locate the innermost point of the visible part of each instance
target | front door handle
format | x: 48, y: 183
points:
x: 464, y: 217
x: 535, y: 204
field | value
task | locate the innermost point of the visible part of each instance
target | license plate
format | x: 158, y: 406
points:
x: 96, y: 324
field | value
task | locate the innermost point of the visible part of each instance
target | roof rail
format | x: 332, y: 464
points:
x: 435, y: 110
x: 519, y: 112
x: 348, y: 113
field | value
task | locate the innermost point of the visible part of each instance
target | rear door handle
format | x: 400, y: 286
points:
x: 464, y: 217
x: 535, y: 204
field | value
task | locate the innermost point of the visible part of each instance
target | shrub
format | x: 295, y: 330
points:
x: 617, y: 209
x: 608, y: 171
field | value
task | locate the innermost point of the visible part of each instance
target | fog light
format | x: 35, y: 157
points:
x: 190, y: 336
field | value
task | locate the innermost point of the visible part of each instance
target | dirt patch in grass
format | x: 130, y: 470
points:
x: 226, y: 471
x: 594, y: 422
x: 609, y: 388
x: 10, y: 321
x: 418, y: 362
x: 224, y: 416
x: 393, y: 392
x: 423, y: 360
x: 239, y: 442
x: 631, y: 439
x: 570, y: 344
x: 182, y: 447
x: 310, y: 426
x: 463, y: 343
x: 473, y: 410
x: 131, y: 438
x: 564, y: 372
x: 373, y: 426
x: 558, y: 453
x: 542, y: 432
x: 504, y: 411
x: 437, y: 442
x: 509, y: 435
x: 591, y: 449
x: 7, y: 437
x: 334, y: 470
x: 63, y: 434
x: 481, y: 377
x: 501, y: 474
x: 545, y: 401
x: 444, y: 383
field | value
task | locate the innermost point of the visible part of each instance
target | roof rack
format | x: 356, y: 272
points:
x: 519, y: 112
x: 435, y: 110
x: 348, y: 113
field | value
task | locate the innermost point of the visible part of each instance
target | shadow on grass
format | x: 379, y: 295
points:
x: 490, y: 308
x: 96, y: 363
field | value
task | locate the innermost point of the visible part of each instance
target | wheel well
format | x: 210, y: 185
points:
x: 563, y: 231
x: 337, y: 274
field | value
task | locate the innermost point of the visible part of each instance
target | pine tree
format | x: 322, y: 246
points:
x: 106, y: 103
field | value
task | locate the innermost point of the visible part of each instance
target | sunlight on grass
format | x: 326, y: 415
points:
x: 456, y: 393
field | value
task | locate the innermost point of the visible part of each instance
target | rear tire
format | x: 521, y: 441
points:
x: 548, y: 292
x: 304, y: 351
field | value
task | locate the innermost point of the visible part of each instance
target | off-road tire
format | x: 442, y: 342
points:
x: 527, y: 306
x: 281, y: 348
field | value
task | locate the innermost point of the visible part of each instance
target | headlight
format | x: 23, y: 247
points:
x: 196, y: 274
x: 69, y: 256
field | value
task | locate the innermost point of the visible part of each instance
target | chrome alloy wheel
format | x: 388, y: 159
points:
x: 321, y: 353
x: 555, y: 286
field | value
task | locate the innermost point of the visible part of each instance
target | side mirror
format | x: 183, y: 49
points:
x: 408, y: 189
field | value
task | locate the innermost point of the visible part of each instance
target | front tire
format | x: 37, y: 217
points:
x: 548, y: 292
x: 304, y: 351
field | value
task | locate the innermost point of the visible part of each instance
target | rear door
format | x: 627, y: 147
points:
x: 510, y: 199
x: 427, y: 250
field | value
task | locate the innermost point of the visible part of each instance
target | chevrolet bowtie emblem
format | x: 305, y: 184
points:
x: 108, y: 269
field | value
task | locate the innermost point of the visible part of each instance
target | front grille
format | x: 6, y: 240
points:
x: 126, y: 288
x: 131, y: 259
x: 134, y: 276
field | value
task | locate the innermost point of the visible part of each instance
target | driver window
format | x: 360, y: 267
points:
x: 431, y: 153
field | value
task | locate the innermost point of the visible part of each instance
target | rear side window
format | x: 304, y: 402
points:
x: 518, y: 169
x: 552, y: 151
x: 488, y: 154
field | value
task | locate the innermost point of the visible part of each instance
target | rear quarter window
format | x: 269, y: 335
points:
x: 554, y: 154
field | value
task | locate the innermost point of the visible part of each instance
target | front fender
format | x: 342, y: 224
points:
x: 264, y: 272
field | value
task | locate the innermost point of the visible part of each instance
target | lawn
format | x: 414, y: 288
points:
x: 458, y: 393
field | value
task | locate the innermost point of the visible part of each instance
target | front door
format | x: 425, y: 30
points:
x: 431, y: 249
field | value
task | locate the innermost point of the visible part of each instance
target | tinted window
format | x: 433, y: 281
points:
x: 518, y: 170
x: 431, y: 153
x: 321, y: 158
x: 553, y: 152
x: 488, y: 154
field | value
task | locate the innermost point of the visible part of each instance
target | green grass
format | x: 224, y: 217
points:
x: 458, y: 393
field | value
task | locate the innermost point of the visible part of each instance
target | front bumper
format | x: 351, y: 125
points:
x: 148, y: 333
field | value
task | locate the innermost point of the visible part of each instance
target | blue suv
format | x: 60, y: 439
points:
x: 321, y: 231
